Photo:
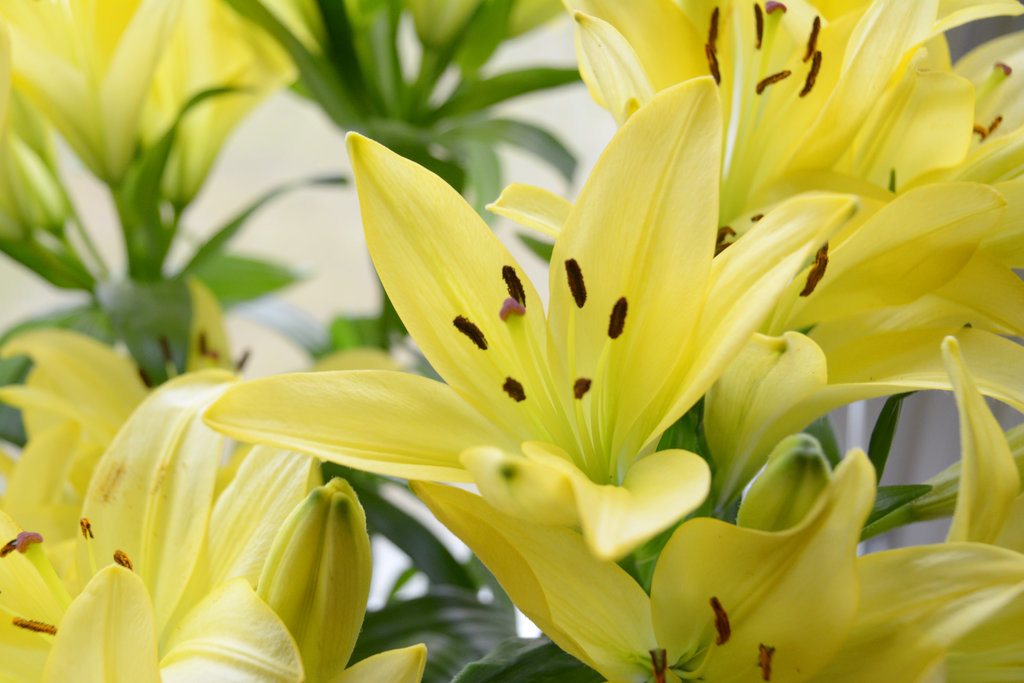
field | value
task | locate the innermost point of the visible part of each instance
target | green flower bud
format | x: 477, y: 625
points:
x: 317, y: 577
x: 796, y: 474
x: 439, y: 21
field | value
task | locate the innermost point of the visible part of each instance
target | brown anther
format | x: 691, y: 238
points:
x: 764, y: 660
x: 817, y: 271
x: 463, y: 325
x: 145, y: 379
x: 514, y: 389
x: 812, y: 42
x: 721, y: 622
x: 617, y: 320
x: 981, y: 130
x: 709, y: 51
x: 756, y: 217
x: 724, y: 233
x: 995, y: 124
x: 769, y: 80
x: 122, y: 559
x: 242, y: 360
x: 659, y: 662
x: 580, y: 387
x: 758, y: 25
x: 576, y: 285
x: 165, y: 349
x: 713, y: 29
x: 86, y: 527
x: 515, y: 287
x: 204, y: 348
x: 9, y: 547
x: 32, y: 625
x: 812, y: 75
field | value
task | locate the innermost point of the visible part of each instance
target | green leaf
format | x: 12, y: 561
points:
x: 687, y: 433
x: 290, y: 321
x: 539, y: 247
x: 215, y: 245
x: 452, y: 622
x: 528, y: 660
x: 483, y: 177
x: 87, y: 319
x: 152, y: 318
x: 352, y: 333
x: 519, y: 134
x: 234, y: 279
x: 474, y: 95
x: 822, y: 430
x: 885, y: 428
x: 13, y: 371
x: 892, y: 508
x: 483, y: 34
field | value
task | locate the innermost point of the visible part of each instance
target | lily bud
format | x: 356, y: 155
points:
x: 439, y: 21
x: 317, y: 577
x: 796, y: 474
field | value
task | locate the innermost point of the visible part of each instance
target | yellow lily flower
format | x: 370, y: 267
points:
x: 88, y: 67
x: 642, y: 319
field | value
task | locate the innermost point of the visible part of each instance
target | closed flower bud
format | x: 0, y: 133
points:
x: 796, y: 474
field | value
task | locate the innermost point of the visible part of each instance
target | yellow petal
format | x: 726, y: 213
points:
x: 532, y: 207
x: 231, y: 636
x: 794, y: 590
x: 953, y: 13
x: 421, y: 234
x: 989, y: 480
x: 31, y: 590
x: 916, y: 602
x: 991, y: 652
x: 208, y: 342
x: 1012, y: 534
x: 1006, y: 242
x: 108, y: 634
x: 393, y: 422
x: 404, y: 665
x: 610, y: 68
x: 151, y: 493
x: 590, y: 608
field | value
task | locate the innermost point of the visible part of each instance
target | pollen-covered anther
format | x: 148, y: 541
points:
x: 36, y: 626
x: 576, y: 285
x: 122, y: 559
x: 995, y: 124
x: 21, y: 543
x: 86, y: 527
x: 724, y: 233
x: 580, y: 387
x: 722, y: 629
x: 713, y: 29
x: 817, y: 271
x: 812, y: 41
x: 771, y: 6
x: 204, y: 349
x: 514, y: 389
x: 242, y: 360
x: 165, y: 350
x: 709, y: 52
x: 769, y: 80
x: 510, y: 307
x: 514, y: 285
x: 981, y: 130
x: 764, y: 660
x: 463, y: 325
x: 758, y: 25
x: 812, y: 75
x: 617, y: 320
x: 659, y: 663
x: 1004, y: 67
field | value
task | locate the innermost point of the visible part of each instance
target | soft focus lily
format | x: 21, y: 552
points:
x: 642, y: 320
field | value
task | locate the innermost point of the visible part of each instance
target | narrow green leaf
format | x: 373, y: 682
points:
x: 483, y: 177
x: 352, y: 333
x: 822, y: 430
x: 882, y: 435
x: 13, y: 371
x: 290, y: 321
x: 892, y: 508
x: 87, y: 319
x: 474, y: 95
x: 483, y: 33
x: 539, y: 247
x: 527, y: 136
x: 234, y: 279
x: 528, y: 660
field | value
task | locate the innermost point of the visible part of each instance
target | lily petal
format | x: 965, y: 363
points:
x: 532, y: 207
x: 404, y: 665
x: 393, y: 422
x: 231, y: 636
x: 591, y: 608
x: 208, y: 342
x: 610, y: 68
x: 991, y: 652
x: 795, y: 591
x: 108, y: 633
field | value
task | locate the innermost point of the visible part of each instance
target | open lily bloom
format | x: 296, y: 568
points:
x: 642, y: 319
x: 735, y: 604
x: 815, y: 94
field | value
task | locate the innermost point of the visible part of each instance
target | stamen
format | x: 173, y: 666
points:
x: 32, y: 625
x: 9, y: 547
x: 721, y: 622
x: 511, y: 306
x: 768, y: 80
x: 122, y: 559
x: 764, y: 660
x: 812, y: 42
x: 817, y: 271
x: 724, y: 233
x: 576, y: 286
x: 659, y: 662
x: 981, y: 130
x: 1004, y: 67
x: 713, y: 29
x: 758, y: 25
x: 515, y: 287
x: 86, y: 527
x: 580, y: 387
x: 995, y: 124
x: 713, y: 63
x: 514, y: 389
x: 204, y: 348
x: 812, y: 75
x: 756, y: 217
x: 165, y: 349
x: 463, y: 325
x: 145, y: 379
x: 617, y: 320
x: 21, y: 543
x: 770, y: 7
x: 242, y: 360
